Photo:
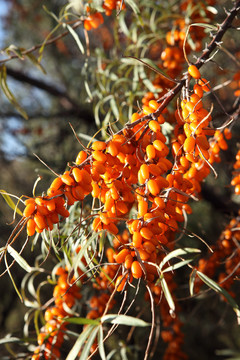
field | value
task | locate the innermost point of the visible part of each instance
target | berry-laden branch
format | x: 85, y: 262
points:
x: 226, y: 24
x: 140, y: 198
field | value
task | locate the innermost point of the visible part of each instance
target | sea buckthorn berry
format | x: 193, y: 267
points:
x: 146, y: 110
x: 159, y: 145
x: 149, y: 247
x: 194, y: 72
x: 120, y: 257
x: 146, y: 233
x: 151, y: 152
x: 67, y: 179
x: 136, y: 270
x: 144, y: 171
x: 142, y: 207
x: 189, y: 144
x: 202, y: 141
x: 112, y: 148
x: 176, y: 148
x: 159, y: 202
x: 40, y: 221
x: 99, y: 145
x: 196, y: 100
x: 81, y: 157
x: 128, y: 261
x: 29, y: 209
x: 153, y: 104
x: 154, y: 126
x: 198, y: 90
x: 153, y: 187
x: 137, y: 239
x: 189, y: 106
x: 204, y: 84
x: 99, y: 156
x: 87, y: 25
x: 155, y: 170
x: 161, y: 119
x: 31, y: 226
x: 227, y: 133
x: 57, y: 183
x: 143, y: 254
x: 120, y: 282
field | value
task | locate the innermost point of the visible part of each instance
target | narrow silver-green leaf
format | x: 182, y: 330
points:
x: 176, y: 253
x: 192, y: 281
x: 76, y: 38
x: 79, y: 343
x: 86, y: 350
x: 100, y: 344
x: 9, y: 94
x: 133, y: 5
x: 19, y: 259
x: 81, y: 321
x: 124, y: 320
x: 216, y: 287
x: 177, y: 265
x: 168, y: 295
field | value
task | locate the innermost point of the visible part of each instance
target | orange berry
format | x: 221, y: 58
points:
x: 136, y: 270
x: 40, y: 221
x: 154, y: 126
x: 151, y: 152
x: 31, y: 226
x: 120, y: 282
x: 128, y: 261
x: 194, y: 72
x: 29, y: 209
x: 144, y: 172
x: 204, y: 84
x: 189, y: 144
x: 137, y: 239
x: 99, y: 156
x: 142, y: 208
x: 82, y: 156
x: 99, y: 145
x: 159, y: 145
x: 153, y: 187
x: 67, y: 179
x: 120, y: 257
x: 153, y: 104
x: 146, y: 233
x: 198, y: 90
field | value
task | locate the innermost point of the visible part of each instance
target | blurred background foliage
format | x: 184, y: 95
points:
x: 91, y: 90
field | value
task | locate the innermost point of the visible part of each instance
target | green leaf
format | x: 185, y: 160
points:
x: 168, y: 295
x: 192, y: 281
x: 79, y: 343
x: 81, y: 321
x: 133, y: 5
x: 17, y: 51
x: 12, y: 280
x: 176, y: 253
x: 177, y: 265
x: 100, y: 344
x: 9, y: 94
x: 19, y: 259
x: 76, y: 38
x: 216, y: 287
x: 36, y: 62
x: 124, y: 320
x: 86, y: 350
x: 10, y: 203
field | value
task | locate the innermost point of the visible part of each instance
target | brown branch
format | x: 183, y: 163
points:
x: 40, y: 84
x: 36, y: 47
x: 167, y: 98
